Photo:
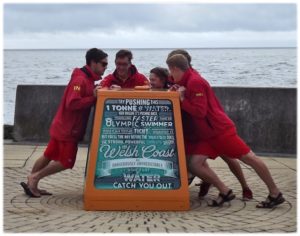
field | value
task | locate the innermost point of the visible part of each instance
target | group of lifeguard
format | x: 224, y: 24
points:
x: 208, y: 131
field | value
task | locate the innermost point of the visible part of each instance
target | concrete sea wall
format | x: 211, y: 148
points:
x: 265, y: 117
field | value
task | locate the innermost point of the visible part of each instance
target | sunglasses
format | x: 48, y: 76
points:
x: 103, y: 63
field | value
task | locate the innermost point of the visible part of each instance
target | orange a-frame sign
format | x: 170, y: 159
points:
x: 136, y: 159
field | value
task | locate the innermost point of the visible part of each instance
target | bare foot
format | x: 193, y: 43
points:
x: 32, y: 183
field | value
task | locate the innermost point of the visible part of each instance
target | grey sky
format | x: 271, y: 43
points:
x: 149, y: 25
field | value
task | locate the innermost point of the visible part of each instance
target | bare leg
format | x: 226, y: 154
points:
x: 34, y: 178
x: 263, y: 172
x: 199, y: 167
x: 236, y: 169
x: 40, y: 163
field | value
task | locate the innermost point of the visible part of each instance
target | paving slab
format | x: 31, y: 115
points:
x: 63, y: 211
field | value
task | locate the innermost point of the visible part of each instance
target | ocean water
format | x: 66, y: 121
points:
x: 251, y: 67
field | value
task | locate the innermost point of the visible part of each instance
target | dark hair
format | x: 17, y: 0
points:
x: 162, y: 74
x: 94, y: 54
x: 179, y: 61
x: 182, y: 52
x: 124, y: 53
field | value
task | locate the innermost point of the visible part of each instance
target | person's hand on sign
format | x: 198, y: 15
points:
x: 96, y: 89
x: 181, y: 91
x: 115, y: 87
x: 174, y: 87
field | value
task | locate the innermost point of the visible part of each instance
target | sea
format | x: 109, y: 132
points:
x: 227, y: 67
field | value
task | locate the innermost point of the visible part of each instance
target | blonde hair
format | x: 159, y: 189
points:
x: 179, y: 61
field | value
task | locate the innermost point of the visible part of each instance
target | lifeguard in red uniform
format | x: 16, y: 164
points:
x: 69, y: 124
x: 126, y: 74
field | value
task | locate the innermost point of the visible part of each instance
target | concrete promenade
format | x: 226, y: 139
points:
x: 63, y: 212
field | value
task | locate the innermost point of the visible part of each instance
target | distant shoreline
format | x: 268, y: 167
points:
x: 75, y: 49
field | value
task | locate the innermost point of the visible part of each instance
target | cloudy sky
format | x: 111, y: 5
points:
x: 102, y: 25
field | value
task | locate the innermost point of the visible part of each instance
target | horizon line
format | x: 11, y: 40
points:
x: 154, y: 48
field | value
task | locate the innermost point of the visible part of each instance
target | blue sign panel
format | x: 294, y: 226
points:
x: 137, y: 146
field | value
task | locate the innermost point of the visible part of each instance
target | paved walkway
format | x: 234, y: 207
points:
x: 62, y: 212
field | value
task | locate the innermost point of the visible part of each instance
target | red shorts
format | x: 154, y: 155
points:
x: 228, y: 144
x: 64, y: 152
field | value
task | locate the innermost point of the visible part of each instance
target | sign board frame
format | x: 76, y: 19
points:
x: 135, y: 199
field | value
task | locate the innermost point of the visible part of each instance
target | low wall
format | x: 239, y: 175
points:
x: 265, y: 117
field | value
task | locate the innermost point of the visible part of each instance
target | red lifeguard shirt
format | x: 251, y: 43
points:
x: 135, y: 79
x: 70, y: 121
x: 202, y: 114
